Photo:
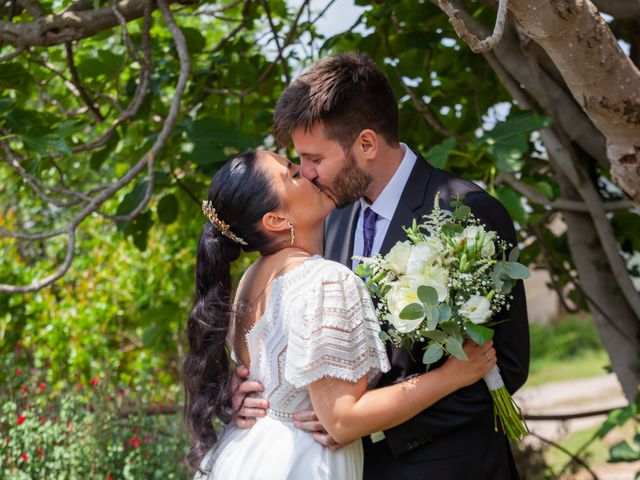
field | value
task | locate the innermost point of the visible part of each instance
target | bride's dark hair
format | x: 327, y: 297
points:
x: 241, y: 194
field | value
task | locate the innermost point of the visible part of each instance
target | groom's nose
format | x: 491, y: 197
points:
x: 308, y: 170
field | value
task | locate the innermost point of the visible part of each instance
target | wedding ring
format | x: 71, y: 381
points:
x: 486, y: 356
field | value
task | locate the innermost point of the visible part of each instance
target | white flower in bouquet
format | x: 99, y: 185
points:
x: 477, y: 309
x: 422, y: 255
x: 437, y: 277
x: 474, y: 232
x: 398, y: 257
x: 401, y: 294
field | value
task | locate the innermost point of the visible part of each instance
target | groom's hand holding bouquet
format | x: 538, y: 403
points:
x: 444, y: 284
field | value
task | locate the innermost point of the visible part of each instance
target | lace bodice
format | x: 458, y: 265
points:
x: 319, y: 321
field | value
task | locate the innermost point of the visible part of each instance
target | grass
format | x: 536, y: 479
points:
x: 565, y: 350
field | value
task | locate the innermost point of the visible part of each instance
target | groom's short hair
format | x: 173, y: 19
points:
x: 347, y: 93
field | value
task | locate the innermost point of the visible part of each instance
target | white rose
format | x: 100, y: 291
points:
x: 437, y: 277
x: 477, y: 309
x: 403, y: 293
x: 421, y: 256
x: 398, y: 257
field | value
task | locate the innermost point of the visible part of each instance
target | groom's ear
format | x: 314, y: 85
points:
x: 367, y: 144
x: 275, y: 222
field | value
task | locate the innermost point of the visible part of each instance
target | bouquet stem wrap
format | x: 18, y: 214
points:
x: 504, y: 408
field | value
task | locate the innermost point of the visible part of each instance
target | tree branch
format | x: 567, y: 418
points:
x: 619, y: 9
x: 70, y: 25
x: 560, y: 204
x: 476, y: 45
x: 88, y: 101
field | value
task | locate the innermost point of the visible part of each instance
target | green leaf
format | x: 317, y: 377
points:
x: 509, y: 140
x: 445, y: 312
x: 428, y: 295
x: 138, y: 229
x: 454, y: 347
x: 384, y: 336
x: 513, y: 203
x: 413, y: 311
x: 210, y: 136
x: 432, y: 353
x: 130, y: 201
x: 451, y: 328
x: 516, y: 270
x: 616, y: 418
x: 451, y: 229
x: 433, y: 316
x: 13, y: 76
x: 478, y: 333
x: 363, y: 270
x: 103, y: 62
x: 99, y: 156
x: 168, y: 209
x: 439, y: 154
x: 462, y: 212
x: 195, y: 40
x: 434, y: 335
x: 623, y: 452
x: 514, y: 254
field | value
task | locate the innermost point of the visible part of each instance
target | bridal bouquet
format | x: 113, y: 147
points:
x: 443, y: 285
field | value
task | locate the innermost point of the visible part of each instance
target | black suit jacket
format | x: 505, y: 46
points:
x: 454, y: 438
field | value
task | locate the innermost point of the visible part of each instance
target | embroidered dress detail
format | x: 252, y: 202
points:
x: 318, y: 322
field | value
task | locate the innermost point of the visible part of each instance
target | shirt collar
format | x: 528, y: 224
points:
x: 387, y: 202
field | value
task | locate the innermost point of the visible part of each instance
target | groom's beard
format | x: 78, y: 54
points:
x: 350, y: 183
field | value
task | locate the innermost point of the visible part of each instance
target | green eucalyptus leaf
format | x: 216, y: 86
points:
x: 454, y: 347
x: 413, y: 311
x: 428, y: 295
x: 478, y: 333
x: 516, y: 270
x: 432, y: 353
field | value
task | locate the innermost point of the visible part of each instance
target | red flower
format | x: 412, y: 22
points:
x: 109, y: 477
x: 39, y: 452
x: 24, y: 388
x: 42, y: 385
x: 135, y: 442
x: 94, y: 381
x: 21, y: 419
x: 79, y: 385
x: 24, y: 457
x: 19, y: 372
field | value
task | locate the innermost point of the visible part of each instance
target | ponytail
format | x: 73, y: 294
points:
x: 241, y: 194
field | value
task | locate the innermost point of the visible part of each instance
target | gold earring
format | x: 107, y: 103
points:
x: 293, y: 235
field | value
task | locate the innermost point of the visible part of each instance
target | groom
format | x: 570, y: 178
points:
x: 342, y: 117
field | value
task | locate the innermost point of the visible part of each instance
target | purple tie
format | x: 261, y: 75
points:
x: 369, y: 230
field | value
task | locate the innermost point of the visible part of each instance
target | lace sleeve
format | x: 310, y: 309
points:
x: 338, y: 334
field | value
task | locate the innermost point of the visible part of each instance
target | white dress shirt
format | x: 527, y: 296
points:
x: 384, y: 206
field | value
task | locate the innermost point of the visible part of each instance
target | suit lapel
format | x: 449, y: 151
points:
x: 412, y: 199
x: 339, y: 234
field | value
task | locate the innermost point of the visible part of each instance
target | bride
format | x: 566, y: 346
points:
x: 304, y: 326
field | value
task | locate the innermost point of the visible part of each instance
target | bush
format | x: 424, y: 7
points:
x: 92, y: 430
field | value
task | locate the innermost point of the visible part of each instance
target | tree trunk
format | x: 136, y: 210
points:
x: 614, y: 319
x: 587, y: 54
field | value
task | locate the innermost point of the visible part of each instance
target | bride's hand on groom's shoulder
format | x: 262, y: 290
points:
x: 309, y: 422
x: 248, y: 408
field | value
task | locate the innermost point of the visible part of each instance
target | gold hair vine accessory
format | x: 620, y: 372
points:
x: 222, y: 227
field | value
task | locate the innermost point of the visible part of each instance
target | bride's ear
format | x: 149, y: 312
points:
x: 275, y: 222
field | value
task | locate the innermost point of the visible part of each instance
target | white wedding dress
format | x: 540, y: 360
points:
x: 319, y: 322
